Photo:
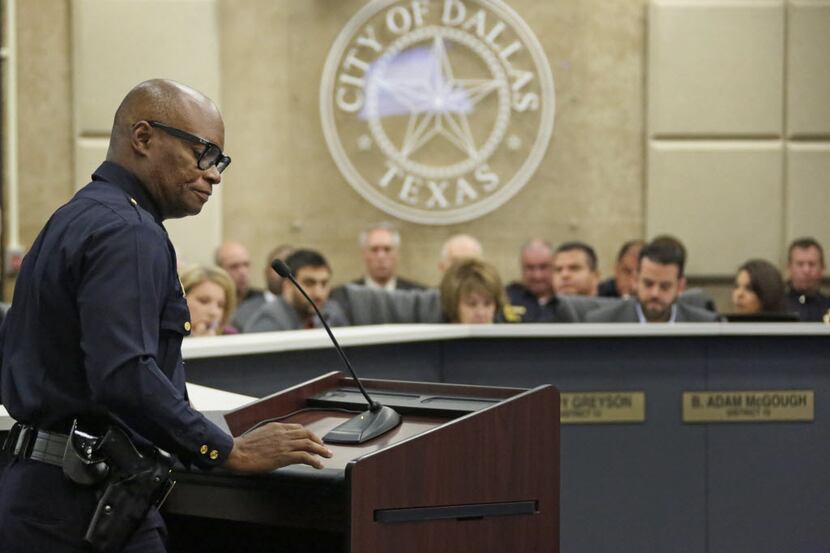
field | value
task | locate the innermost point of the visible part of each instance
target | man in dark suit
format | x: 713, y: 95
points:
x: 659, y: 284
x: 575, y: 269
x: 624, y: 281
x: 380, y: 245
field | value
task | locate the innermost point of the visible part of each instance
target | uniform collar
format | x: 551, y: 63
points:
x: 802, y: 297
x: 115, y: 174
x: 533, y: 297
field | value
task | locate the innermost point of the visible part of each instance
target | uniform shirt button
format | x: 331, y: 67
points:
x: 802, y: 299
x: 187, y: 326
x: 132, y: 201
x: 214, y: 455
x: 203, y: 450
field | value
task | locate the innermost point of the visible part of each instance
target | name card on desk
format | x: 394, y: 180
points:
x: 601, y: 407
x: 749, y: 406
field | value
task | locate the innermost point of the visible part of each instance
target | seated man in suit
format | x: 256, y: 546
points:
x: 458, y: 247
x: 234, y: 258
x: 380, y: 245
x: 291, y: 311
x: 575, y: 269
x: 624, y: 281
x: 660, y: 281
x: 274, y: 288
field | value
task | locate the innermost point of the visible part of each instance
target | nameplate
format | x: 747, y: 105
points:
x: 601, y: 407
x: 749, y: 406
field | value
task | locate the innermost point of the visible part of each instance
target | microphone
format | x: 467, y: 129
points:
x: 375, y: 421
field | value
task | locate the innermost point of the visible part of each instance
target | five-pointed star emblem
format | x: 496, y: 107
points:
x: 438, y: 103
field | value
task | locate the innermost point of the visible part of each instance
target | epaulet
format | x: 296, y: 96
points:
x: 135, y: 205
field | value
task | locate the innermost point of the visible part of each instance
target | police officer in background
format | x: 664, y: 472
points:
x: 97, y: 320
x: 805, y: 266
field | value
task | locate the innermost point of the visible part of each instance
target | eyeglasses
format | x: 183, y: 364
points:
x: 210, y: 156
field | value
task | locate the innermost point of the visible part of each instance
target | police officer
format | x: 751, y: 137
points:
x: 96, y: 324
x: 805, y: 266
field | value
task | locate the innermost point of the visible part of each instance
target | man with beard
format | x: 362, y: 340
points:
x: 660, y: 281
x: 291, y: 311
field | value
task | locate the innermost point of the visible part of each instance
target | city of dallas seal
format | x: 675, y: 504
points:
x: 437, y: 111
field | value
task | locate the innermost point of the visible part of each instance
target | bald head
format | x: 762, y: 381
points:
x: 537, y: 268
x: 235, y: 259
x: 165, y: 157
x: 460, y: 246
x: 537, y: 246
x: 157, y: 100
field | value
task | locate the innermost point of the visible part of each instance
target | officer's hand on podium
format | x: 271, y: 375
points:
x: 276, y: 445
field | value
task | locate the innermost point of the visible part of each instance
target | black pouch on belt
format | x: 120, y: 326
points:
x: 83, y: 462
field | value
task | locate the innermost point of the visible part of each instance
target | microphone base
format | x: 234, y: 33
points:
x: 364, y: 426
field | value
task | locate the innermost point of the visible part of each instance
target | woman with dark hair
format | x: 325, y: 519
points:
x: 759, y: 288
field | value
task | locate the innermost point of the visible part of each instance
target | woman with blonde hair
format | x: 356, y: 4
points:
x: 211, y: 299
x: 471, y: 292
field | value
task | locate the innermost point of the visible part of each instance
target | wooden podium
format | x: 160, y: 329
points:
x: 470, y: 469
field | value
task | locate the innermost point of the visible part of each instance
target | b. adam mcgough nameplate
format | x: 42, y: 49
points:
x: 749, y: 406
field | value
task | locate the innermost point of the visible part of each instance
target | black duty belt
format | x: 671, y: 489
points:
x: 130, y: 483
x: 27, y: 442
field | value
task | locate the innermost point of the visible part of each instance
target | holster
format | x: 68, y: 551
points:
x: 133, y: 483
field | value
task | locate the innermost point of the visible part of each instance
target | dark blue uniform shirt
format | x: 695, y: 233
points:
x: 97, y: 321
x: 809, y: 307
x: 528, y: 308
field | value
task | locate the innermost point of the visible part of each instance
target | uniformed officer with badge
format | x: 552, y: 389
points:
x: 91, y: 347
x: 805, y: 267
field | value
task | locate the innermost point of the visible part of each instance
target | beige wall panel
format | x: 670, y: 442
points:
x: 715, y: 68
x: 283, y: 185
x: 196, y: 238
x: 45, y: 151
x: 286, y: 187
x: 118, y: 44
x: 722, y: 199
x: 808, y: 68
x: 808, y: 190
x: 89, y: 154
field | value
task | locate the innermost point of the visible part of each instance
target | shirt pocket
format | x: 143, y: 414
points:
x: 174, y: 326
